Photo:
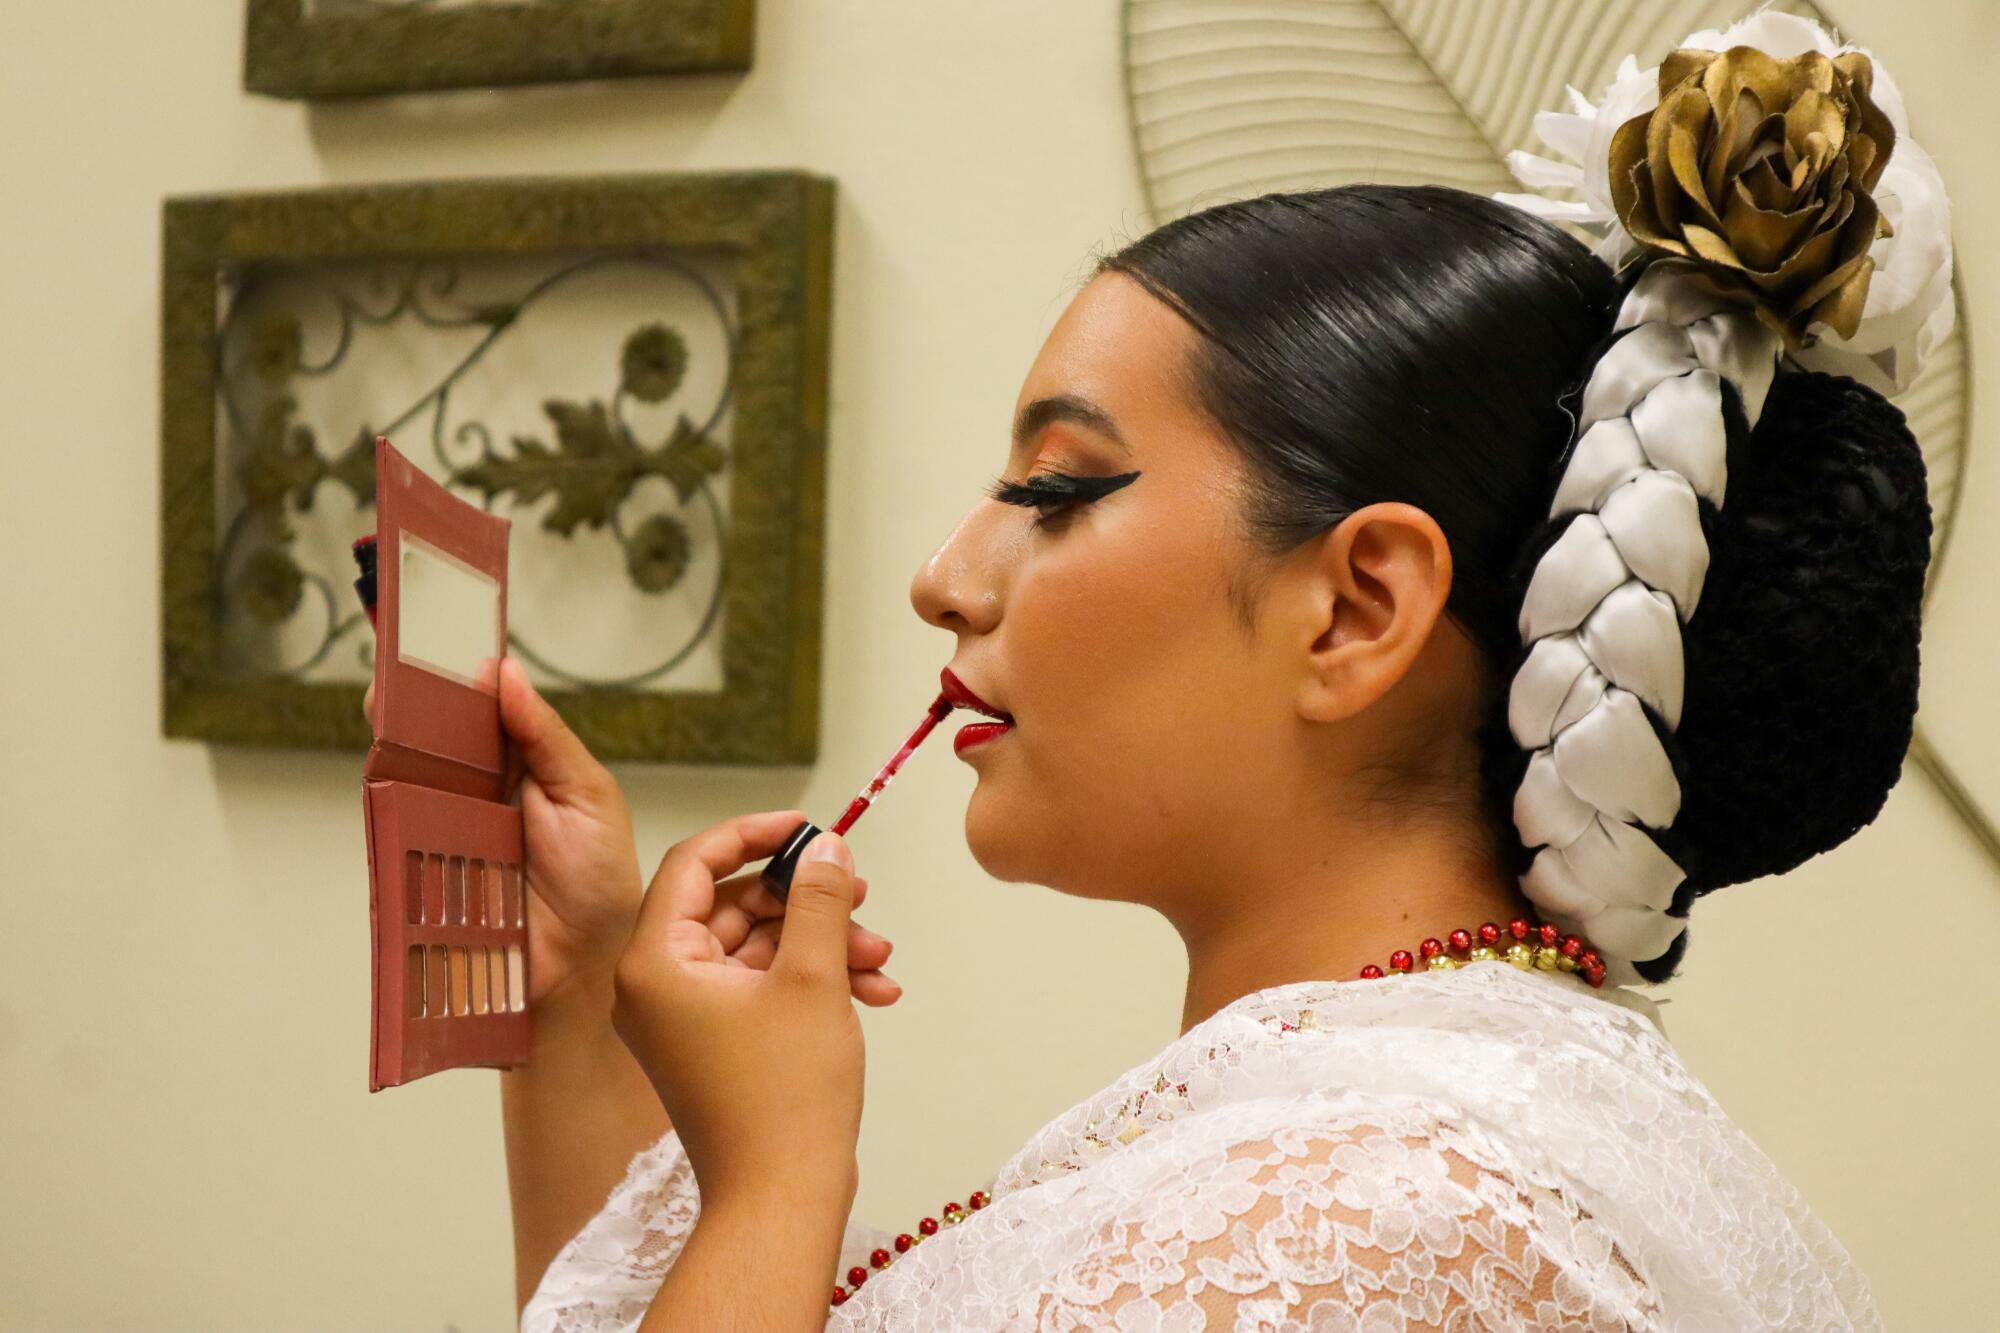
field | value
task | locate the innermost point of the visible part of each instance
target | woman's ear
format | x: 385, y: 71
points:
x: 1378, y: 583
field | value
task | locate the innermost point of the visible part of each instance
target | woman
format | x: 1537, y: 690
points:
x: 1306, y: 508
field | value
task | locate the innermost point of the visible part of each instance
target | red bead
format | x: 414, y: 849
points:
x: 856, y: 1276
x: 928, y: 1226
x: 840, y: 1295
x: 904, y: 1242
x: 1489, y: 933
x: 1370, y: 972
x: 1571, y: 946
x: 879, y: 1258
x: 950, y: 1208
x: 1588, y: 959
x: 1461, y: 940
x: 1430, y: 948
x: 1400, y: 960
x: 1518, y: 928
x: 1594, y: 975
x: 978, y: 1199
x: 1550, y: 935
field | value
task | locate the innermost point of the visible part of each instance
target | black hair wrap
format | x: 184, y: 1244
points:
x: 1802, y: 656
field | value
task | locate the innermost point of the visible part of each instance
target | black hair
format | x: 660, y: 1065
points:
x: 1423, y: 344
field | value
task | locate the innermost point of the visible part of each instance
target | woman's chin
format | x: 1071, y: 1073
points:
x: 999, y: 838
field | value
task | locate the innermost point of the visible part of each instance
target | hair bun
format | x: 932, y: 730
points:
x: 1802, y: 658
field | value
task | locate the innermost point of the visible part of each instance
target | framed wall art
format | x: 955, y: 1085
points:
x: 631, y: 369
x: 355, y: 48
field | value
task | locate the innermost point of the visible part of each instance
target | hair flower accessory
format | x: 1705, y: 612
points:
x: 1776, y: 162
x: 1761, y: 170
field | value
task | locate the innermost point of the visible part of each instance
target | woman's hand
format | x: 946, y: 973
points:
x: 759, y: 1069
x: 582, y: 868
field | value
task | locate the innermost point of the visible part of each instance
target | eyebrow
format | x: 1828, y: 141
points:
x: 1065, y: 407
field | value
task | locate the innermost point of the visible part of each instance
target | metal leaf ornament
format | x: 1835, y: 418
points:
x: 280, y: 460
x: 657, y: 554
x: 590, y: 470
x: 654, y: 363
x: 593, y: 467
x: 270, y: 585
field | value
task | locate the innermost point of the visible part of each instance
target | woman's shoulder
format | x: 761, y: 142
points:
x: 1479, y: 1102
x: 1458, y: 1043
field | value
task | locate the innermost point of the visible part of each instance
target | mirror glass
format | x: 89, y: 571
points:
x: 448, y: 620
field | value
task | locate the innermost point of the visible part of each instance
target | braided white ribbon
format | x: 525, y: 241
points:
x: 1606, y: 603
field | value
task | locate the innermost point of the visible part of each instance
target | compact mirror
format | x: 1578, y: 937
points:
x: 448, y: 616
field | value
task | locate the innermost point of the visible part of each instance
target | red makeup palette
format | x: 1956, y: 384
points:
x: 446, y: 903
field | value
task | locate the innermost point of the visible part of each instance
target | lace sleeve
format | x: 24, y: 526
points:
x: 603, y: 1280
x: 1361, y: 1228
x: 1276, y: 1217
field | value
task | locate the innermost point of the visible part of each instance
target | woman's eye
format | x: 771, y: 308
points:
x: 1052, y: 495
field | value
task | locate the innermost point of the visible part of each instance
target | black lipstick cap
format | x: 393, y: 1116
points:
x: 777, y: 874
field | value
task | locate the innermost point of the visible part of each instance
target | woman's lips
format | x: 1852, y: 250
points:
x: 976, y: 733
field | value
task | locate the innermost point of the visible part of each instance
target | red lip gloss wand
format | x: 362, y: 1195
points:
x: 777, y: 874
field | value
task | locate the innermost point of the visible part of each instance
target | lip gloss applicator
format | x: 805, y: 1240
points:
x: 777, y: 873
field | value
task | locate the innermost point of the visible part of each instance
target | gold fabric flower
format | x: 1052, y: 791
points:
x: 1761, y: 171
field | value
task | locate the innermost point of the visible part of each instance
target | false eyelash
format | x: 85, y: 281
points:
x: 1053, y: 492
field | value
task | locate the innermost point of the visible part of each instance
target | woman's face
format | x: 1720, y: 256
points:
x: 1149, y: 721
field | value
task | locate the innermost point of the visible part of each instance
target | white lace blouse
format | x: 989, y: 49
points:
x: 1478, y: 1149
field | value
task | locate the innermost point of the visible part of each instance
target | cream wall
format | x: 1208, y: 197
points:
x: 183, y: 1005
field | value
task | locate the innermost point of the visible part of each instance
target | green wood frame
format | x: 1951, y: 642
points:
x: 408, y: 48
x: 779, y: 227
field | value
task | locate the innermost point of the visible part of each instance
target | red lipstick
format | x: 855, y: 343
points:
x: 777, y: 872
x: 939, y: 707
x: 975, y: 733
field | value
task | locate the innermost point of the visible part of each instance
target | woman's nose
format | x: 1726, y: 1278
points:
x: 957, y: 589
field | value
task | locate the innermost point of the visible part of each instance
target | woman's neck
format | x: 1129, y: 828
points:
x: 1325, y: 917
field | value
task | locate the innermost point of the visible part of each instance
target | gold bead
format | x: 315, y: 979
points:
x: 1484, y: 955
x: 1520, y: 957
x: 954, y: 1217
x: 1545, y: 958
x: 1565, y: 962
x: 1443, y: 964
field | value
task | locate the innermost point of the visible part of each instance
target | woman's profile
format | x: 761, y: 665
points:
x: 1421, y: 612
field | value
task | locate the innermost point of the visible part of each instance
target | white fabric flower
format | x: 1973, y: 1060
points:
x: 1909, y: 311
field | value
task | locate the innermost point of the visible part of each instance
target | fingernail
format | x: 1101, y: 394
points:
x: 829, y: 847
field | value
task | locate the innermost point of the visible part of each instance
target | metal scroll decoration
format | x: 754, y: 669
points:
x: 633, y: 368
x: 589, y: 471
x: 1235, y: 98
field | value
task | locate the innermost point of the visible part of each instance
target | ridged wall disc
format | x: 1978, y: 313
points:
x: 1235, y: 98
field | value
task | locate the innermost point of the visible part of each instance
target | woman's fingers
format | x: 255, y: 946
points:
x: 866, y: 981
x: 742, y: 902
x: 819, y: 914
x: 562, y: 767
x: 865, y: 949
x: 873, y: 988
x: 685, y: 884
